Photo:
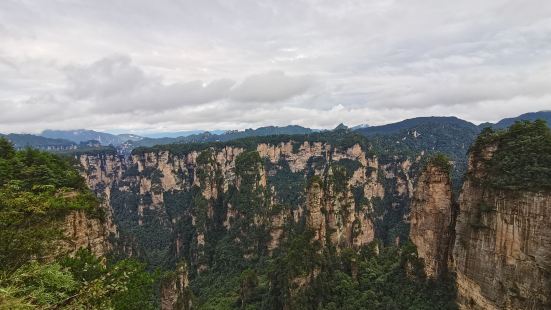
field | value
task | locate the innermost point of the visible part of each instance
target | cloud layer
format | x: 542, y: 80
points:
x: 166, y: 65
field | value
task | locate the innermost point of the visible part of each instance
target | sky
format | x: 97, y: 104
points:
x: 154, y: 66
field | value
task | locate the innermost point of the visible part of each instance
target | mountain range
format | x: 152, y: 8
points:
x: 69, y: 139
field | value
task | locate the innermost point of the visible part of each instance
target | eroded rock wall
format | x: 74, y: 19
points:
x: 177, y: 202
x: 83, y: 231
x: 431, y: 219
x: 502, y: 252
x: 175, y: 292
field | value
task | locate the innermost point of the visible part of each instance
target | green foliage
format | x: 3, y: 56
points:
x: 37, y: 190
x: 442, y: 161
x: 392, y: 279
x: 289, y: 187
x: 522, y: 159
x: 6, y: 149
x: 484, y: 207
x: 448, y: 136
x: 42, y: 285
x: 303, y: 275
x: 340, y: 138
x: 82, y: 282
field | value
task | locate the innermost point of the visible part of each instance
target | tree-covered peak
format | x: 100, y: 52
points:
x: 522, y: 156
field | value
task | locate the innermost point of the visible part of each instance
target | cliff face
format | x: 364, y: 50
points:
x: 432, y: 219
x: 502, y: 251
x: 175, y: 292
x: 83, y: 231
x: 176, y: 205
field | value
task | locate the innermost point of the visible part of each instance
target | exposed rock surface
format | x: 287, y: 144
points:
x: 83, y: 231
x: 432, y: 218
x: 502, y: 251
x: 175, y: 291
x: 172, y: 206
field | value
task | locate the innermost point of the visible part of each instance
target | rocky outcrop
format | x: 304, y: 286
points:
x: 431, y: 219
x: 175, y: 291
x: 502, y: 251
x: 83, y: 231
x: 332, y: 215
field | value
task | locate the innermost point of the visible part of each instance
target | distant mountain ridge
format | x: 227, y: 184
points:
x: 434, y: 128
x: 226, y: 136
x: 532, y: 116
x: 81, y: 135
x: 27, y: 140
x: 412, y: 122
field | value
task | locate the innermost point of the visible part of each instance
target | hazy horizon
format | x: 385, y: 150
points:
x: 159, y: 134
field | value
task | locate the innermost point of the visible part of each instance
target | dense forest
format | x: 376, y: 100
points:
x: 522, y: 156
x: 37, y: 190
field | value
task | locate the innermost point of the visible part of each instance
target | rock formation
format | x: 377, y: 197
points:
x: 156, y: 189
x: 83, y: 231
x: 502, y: 251
x: 432, y: 218
x: 175, y: 291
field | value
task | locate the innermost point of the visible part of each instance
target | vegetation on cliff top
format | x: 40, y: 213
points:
x: 522, y: 157
x: 441, y: 161
x: 342, y: 138
x: 37, y: 190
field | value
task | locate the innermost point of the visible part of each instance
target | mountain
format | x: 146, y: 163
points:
x: 27, y: 140
x: 532, y: 116
x: 226, y: 136
x: 414, y: 122
x: 427, y: 135
x: 81, y: 135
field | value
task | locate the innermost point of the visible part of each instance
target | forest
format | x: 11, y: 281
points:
x: 37, y: 190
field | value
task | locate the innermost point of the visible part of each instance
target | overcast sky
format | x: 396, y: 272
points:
x: 145, y: 65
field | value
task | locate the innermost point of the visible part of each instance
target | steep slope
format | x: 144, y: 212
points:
x: 426, y: 135
x: 432, y: 217
x: 214, y: 187
x: 53, y: 240
x: 502, y: 251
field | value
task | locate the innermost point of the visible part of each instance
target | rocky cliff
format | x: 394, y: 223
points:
x: 432, y: 219
x: 175, y: 292
x: 83, y: 231
x: 178, y: 204
x: 502, y: 251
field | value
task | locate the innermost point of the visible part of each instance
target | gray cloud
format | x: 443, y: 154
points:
x: 270, y: 87
x: 230, y: 64
x: 115, y: 85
